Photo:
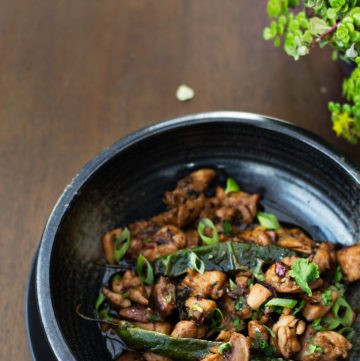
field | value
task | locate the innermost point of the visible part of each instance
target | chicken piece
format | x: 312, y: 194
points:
x: 257, y: 330
x: 315, y: 308
x: 349, y: 260
x: 143, y: 230
x: 226, y: 213
x: 258, y: 295
x: 295, y: 239
x: 150, y: 356
x: 330, y: 346
x: 209, y: 284
x: 188, y: 329
x: 190, y: 210
x: 162, y: 327
x: 259, y: 235
x: 324, y: 256
x: 240, y: 350
x: 164, y: 296
x: 189, y: 187
x: 244, y: 203
x: 243, y: 279
x: 223, y: 336
x: 199, y: 308
x: 166, y: 218
x: 116, y: 299
x: 167, y: 240
x: 287, y: 330
x: 137, y: 313
x: 130, y: 356
x: 213, y: 357
x: 135, y: 287
x: 108, y: 242
x: 192, y: 238
x: 286, y: 284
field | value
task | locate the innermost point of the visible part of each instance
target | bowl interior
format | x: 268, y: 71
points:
x: 298, y: 181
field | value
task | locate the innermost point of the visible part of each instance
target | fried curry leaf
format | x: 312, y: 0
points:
x: 304, y: 272
x: 225, y: 257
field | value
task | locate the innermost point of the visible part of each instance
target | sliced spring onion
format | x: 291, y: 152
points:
x: 299, y: 307
x: 208, y: 223
x: 271, y: 332
x: 197, y: 308
x: 338, y: 274
x: 342, y: 305
x: 227, y: 228
x: 268, y: 220
x: 100, y: 300
x: 281, y: 302
x: 233, y: 285
x: 144, y: 270
x: 316, y: 325
x: 121, y: 244
x: 231, y: 186
x: 348, y: 332
x: 217, y: 319
x: 196, y: 263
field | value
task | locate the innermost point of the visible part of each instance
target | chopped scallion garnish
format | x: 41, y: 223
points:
x: 196, y: 263
x: 217, y: 319
x: 281, y: 302
x: 144, y: 270
x: 203, y: 225
x: 121, y: 244
x: 268, y: 220
x: 231, y: 186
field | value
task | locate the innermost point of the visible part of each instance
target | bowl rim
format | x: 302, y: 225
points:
x: 52, y: 330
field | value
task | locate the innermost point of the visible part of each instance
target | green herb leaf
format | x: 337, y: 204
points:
x: 281, y: 302
x: 202, y: 226
x: 271, y: 332
x: 144, y: 270
x: 326, y: 298
x: 314, y: 349
x: 217, y: 319
x: 227, y: 228
x: 121, y: 244
x: 196, y: 263
x: 225, y: 347
x: 239, y: 303
x: 318, y: 26
x: 268, y: 220
x: 238, y: 324
x: 304, y: 272
x: 231, y: 186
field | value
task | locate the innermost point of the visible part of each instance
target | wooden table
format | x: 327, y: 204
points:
x: 77, y: 75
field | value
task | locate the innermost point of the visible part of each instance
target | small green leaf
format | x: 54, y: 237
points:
x: 314, y: 349
x: 231, y: 186
x: 316, y: 325
x: 233, y: 285
x: 338, y: 274
x: 196, y: 263
x: 225, y: 347
x: 144, y: 270
x: 202, y: 226
x: 299, y: 307
x: 227, y: 228
x: 100, y: 300
x: 318, y: 26
x: 281, y: 302
x: 268, y: 220
x: 121, y: 244
x: 326, y: 298
x: 304, y: 272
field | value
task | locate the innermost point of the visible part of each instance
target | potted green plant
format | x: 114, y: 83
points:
x: 299, y: 25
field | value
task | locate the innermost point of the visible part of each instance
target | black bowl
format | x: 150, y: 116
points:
x: 301, y: 179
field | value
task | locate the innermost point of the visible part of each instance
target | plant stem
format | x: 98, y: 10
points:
x: 326, y: 33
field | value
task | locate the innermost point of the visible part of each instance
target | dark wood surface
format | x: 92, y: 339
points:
x: 77, y: 75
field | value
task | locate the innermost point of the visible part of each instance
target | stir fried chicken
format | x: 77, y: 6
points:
x: 211, y: 267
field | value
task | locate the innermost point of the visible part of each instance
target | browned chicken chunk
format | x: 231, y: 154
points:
x: 327, y: 346
x: 209, y: 284
x: 349, y: 260
x: 150, y: 356
x: 324, y: 256
x: 200, y: 308
x: 164, y: 296
x: 188, y: 329
x: 258, y: 295
x: 108, y: 244
x: 137, y: 313
x: 259, y: 235
x: 315, y: 307
x: 295, y: 239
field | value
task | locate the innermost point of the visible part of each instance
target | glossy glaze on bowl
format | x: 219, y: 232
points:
x: 300, y: 179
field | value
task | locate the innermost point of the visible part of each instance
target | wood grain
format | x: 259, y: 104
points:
x: 77, y: 75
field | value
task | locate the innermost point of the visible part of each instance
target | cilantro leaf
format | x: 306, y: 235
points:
x: 304, y: 272
x: 326, y: 298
